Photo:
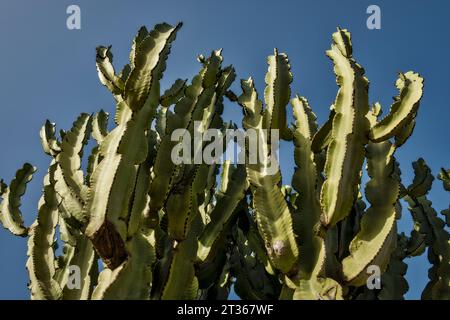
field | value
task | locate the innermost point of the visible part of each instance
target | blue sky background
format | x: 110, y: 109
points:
x: 48, y: 71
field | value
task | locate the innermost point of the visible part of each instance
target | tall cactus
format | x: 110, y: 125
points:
x: 191, y: 230
x: 337, y: 240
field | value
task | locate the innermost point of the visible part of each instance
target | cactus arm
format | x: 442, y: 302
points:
x: 436, y: 238
x: 446, y: 214
x: 178, y: 273
x: 140, y: 36
x: 404, y: 108
x: 345, y: 153
x: 70, y: 206
x: 100, y: 126
x: 141, y: 198
x: 444, y: 176
x: 179, y: 206
x: 203, y: 190
x: 275, y: 222
x: 394, y: 284
x: 318, y: 289
x: 41, y: 259
x: 227, y: 201
x: 423, y: 179
x: 256, y: 244
x: 161, y: 123
x: 220, y: 290
x: 69, y: 159
x: 99, y: 133
x: 307, y: 212
x: 106, y: 72
x: 48, y: 139
x: 322, y: 137
x: 150, y: 55
x: 374, y: 243
x: 416, y: 242
x: 252, y: 106
x: 126, y: 146
x: 209, y: 114
x: 102, y: 178
x: 350, y: 227
x: 272, y: 213
x: 197, y: 93
x: 10, y: 214
x: 304, y: 181
x: 309, y: 283
x: 124, y: 73
x: 84, y: 258
x: 106, y: 200
x: 252, y: 280
x: 173, y: 94
x: 77, y: 251
x: 105, y: 279
x: 403, y: 135
x: 277, y: 93
x: 69, y: 180
x: 63, y: 261
x: 68, y: 236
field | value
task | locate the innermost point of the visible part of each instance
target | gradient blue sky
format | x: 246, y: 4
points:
x: 49, y: 71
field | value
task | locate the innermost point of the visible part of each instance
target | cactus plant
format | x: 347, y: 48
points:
x: 137, y: 225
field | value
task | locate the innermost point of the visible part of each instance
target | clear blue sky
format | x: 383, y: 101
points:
x: 48, y: 71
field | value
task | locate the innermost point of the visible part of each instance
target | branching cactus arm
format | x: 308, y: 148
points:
x: 10, y: 214
x: 403, y: 110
